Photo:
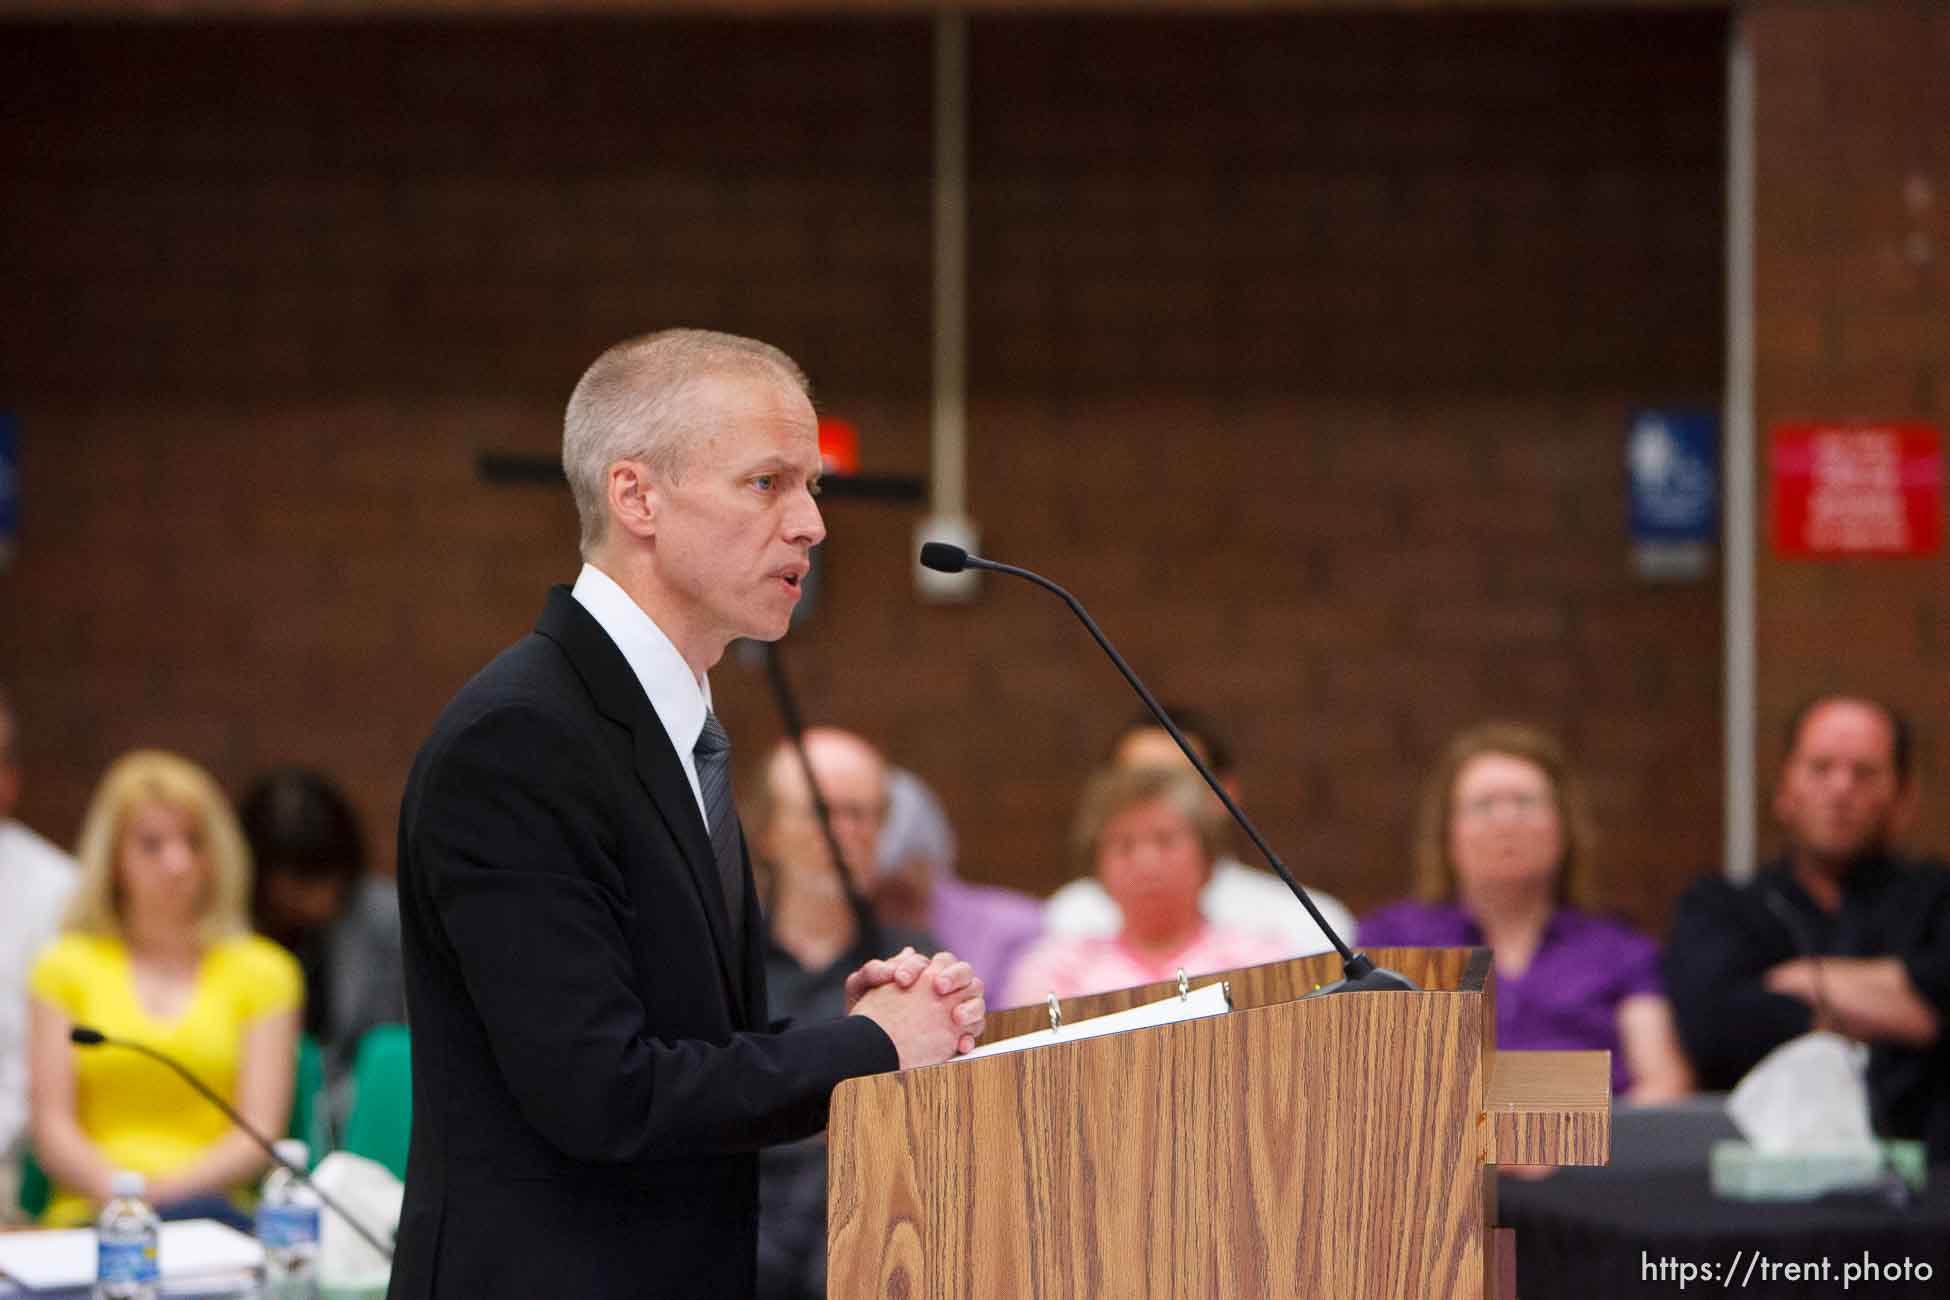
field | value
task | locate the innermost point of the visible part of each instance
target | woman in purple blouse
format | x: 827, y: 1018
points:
x: 1503, y: 859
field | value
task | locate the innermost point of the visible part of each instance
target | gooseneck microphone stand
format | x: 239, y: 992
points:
x: 868, y: 925
x: 1359, y: 973
x: 84, y: 1036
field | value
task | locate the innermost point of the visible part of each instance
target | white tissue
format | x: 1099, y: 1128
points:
x: 370, y: 1194
x: 1808, y: 1095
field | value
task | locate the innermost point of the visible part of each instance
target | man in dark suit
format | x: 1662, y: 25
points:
x: 593, y: 1072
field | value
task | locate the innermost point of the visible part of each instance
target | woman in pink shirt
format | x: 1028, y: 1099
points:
x: 1150, y: 835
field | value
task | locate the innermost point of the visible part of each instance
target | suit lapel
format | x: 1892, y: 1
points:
x: 620, y: 697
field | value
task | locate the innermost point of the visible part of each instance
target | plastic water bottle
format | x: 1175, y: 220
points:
x: 128, y: 1264
x: 287, y: 1227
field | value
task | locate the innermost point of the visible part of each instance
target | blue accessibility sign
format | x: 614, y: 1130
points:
x: 1672, y: 463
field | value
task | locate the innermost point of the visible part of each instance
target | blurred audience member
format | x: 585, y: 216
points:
x: 916, y: 887
x: 315, y: 896
x: 1503, y: 857
x: 1840, y: 932
x: 156, y: 948
x: 1237, y: 896
x: 1151, y: 834
x: 35, y: 881
x: 814, y: 943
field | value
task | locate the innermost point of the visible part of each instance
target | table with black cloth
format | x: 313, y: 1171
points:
x: 1601, y: 1232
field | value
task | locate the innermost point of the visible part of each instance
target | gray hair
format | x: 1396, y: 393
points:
x: 916, y: 827
x: 631, y: 404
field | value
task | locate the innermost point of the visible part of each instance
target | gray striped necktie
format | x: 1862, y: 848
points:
x: 713, y: 754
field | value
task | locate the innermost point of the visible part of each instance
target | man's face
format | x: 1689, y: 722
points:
x: 734, y: 531
x: 1839, y: 797
x: 853, y: 781
x: 298, y: 904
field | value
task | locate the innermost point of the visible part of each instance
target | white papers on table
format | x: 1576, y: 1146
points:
x: 1210, y: 1000
x: 65, y: 1258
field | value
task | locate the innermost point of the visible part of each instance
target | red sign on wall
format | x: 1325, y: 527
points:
x: 1857, y: 489
x: 839, y: 445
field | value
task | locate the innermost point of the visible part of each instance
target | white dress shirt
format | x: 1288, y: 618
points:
x: 35, y: 881
x: 680, y: 697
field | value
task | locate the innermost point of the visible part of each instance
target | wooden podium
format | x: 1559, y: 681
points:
x: 1339, y: 1146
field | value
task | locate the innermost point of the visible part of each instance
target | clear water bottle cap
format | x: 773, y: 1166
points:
x: 126, y: 1185
x: 293, y: 1151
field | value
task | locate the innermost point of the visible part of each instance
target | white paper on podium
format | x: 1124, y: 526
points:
x: 1209, y: 1000
x: 65, y: 1258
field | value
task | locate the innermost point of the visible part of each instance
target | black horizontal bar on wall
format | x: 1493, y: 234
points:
x: 506, y: 469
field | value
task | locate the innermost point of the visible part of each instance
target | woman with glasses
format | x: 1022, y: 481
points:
x: 1503, y: 859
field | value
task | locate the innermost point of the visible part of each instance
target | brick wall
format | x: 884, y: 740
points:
x: 1852, y: 144
x: 1302, y: 350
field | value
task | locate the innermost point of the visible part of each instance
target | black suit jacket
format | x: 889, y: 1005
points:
x: 592, y: 1076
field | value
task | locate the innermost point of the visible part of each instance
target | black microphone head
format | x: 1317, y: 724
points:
x: 83, y: 1036
x: 943, y: 558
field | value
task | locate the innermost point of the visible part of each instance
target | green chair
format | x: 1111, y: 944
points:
x: 308, y: 1087
x: 35, y: 1190
x: 381, y: 1121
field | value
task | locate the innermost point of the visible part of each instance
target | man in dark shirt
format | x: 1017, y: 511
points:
x: 812, y: 944
x: 1839, y: 933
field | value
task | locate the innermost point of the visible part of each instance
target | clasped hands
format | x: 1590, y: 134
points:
x: 931, y: 1007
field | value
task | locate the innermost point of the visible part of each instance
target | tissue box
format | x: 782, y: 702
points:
x: 1742, y: 1173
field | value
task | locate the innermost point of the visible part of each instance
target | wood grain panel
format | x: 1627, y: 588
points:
x: 1252, y: 986
x: 1480, y: 974
x: 1503, y: 1263
x: 1326, y: 1146
x: 1550, y: 1108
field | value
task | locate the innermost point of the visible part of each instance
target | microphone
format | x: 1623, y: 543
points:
x: 944, y: 558
x: 87, y: 1036
x: 1359, y: 974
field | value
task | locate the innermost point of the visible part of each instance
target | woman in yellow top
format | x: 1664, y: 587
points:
x: 156, y: 948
